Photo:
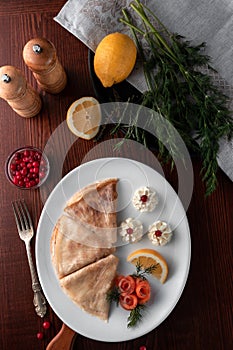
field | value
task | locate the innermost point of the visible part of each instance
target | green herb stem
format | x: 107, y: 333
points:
x: 179, y: 91
x: 135, y: 316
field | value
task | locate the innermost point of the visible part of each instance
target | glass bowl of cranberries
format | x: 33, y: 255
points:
x: 27, y: 167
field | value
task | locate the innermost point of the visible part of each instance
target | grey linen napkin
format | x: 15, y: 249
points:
x: 210, y: 21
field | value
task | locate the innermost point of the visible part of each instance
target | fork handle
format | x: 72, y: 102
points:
x: 38, y: 300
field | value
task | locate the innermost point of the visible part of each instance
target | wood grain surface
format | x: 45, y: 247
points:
x: 202, y: 319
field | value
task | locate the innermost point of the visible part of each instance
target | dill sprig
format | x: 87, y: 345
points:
x: 135, y: 316
x: 113, y: 295
x: 140, y: 272
x: 179, y: 91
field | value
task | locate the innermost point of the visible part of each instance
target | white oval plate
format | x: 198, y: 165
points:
x: 177, y: 252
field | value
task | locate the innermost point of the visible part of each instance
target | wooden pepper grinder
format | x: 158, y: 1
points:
x: 40, y: 56
x: 18, y: 93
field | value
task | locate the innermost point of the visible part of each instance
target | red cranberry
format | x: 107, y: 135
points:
x: 158, y: 233
x: 144, y: 198
x: 26, y: 153
x: 13, y: 166
x: 41, y: 174
x: 15, y: 180
x: 129, y: 231
x: 32, y: 183
x: 40, y: 335
x: 46, y: 324
x: 24, y: 171
x: 36, y: 170
x: 17, y: 156
x: 37, y: 156
x: 42, y: 162
x: 43, y: 169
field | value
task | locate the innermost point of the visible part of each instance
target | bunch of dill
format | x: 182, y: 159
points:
x: 179, y: 90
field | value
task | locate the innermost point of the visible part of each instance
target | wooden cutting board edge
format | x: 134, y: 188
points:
x: 64, y: 340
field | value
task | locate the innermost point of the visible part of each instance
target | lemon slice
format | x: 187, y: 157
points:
x: 84, y: 117
x: 147, y: 258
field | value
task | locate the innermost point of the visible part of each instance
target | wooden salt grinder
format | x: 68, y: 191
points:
x: 18, y: 93
x: 40, y: 56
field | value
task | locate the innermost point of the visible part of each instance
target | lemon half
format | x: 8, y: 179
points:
x: 84, y: 117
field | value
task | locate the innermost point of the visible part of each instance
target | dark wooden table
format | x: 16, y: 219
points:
x: 202, y: 319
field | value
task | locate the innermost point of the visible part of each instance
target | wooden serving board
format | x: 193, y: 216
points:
x: 64, y: 340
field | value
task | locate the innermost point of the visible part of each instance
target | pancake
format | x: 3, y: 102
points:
x: 88, y: 287
x: 82, y: 244
x: 67, y: 253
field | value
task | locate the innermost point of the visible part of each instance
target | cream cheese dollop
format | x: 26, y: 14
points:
x: 145, y: 199
x: 159, y: 233
x: 131, y: 230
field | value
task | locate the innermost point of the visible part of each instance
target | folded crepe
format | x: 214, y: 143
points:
x: 81, y: 246
x: 95, y: 204
x: 68, y: 253
x: 88, y: 287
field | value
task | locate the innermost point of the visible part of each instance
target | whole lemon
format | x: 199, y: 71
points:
x: 114, y: 58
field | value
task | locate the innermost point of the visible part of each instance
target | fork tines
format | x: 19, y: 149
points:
x: 22, y: 216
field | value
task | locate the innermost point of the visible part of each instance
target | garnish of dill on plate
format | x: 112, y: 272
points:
x: 132, y: 293
x: 140, y: 272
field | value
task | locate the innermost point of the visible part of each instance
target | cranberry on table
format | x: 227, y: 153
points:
x: 27, y: 168
x: 40, y: 335
x: 46, y: 324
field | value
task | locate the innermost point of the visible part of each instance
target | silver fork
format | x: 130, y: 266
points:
x: 26, y: 232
